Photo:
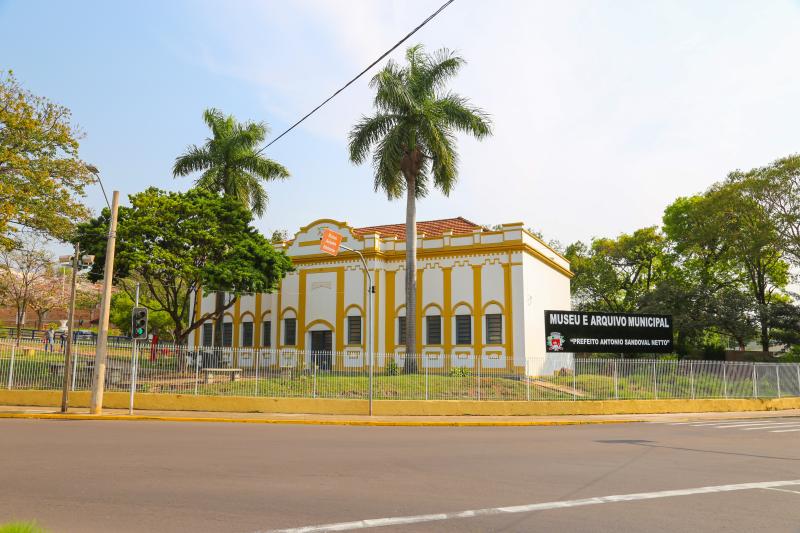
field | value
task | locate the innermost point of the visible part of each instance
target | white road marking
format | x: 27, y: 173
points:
x: 715, y: 422
x: 770, y: 427
x: 697, y: 423
x: 404, y: 520
x: 744, y: 424
x: 783, y: 430
x: 783, y: 490
x: 727, y: 422
x: 689, y: 423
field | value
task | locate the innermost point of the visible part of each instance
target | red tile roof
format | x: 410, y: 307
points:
x: 431, y: 228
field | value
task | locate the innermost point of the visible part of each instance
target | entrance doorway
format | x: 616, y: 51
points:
x: 322, y: 348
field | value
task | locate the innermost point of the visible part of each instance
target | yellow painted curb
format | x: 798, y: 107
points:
x: 348, y: 407
x: 315, y: 422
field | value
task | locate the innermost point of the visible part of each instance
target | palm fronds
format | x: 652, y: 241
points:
x: 415, y: 123
x: 230, y: 162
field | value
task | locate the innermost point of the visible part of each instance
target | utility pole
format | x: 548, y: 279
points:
x: 70, y: 320
x: 100, y: 355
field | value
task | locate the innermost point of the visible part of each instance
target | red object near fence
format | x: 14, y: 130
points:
x: 154, y: 348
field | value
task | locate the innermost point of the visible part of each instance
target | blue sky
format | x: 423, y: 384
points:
x: 604, y: 111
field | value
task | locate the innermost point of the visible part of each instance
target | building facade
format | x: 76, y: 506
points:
x: 481, y: 297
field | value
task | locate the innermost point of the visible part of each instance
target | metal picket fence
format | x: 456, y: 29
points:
x: 263, y: 372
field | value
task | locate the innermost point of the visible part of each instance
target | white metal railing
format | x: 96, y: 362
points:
x: 169, y: 368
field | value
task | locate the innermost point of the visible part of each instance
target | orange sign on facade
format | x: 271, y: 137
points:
x: 330, y: 242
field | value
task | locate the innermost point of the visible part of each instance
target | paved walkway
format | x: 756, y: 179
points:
x: 280, y: 418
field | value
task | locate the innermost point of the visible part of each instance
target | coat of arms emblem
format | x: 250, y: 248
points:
x: 555, y: 342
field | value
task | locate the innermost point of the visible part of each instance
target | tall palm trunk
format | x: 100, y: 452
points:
x: 410, y: 365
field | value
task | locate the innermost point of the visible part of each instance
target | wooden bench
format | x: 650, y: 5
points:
x: 233, y: 373
x: 85, y: 370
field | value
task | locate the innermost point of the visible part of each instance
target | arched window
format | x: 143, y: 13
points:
x: 247, y: 333
x: 290, y: 331
x: 401, y: 326
x: 494, y: 329
x: 463, y: 329
x: 493, y: 323
x: 354, y: 329
x: 227, y: 334
x: 463, y: 324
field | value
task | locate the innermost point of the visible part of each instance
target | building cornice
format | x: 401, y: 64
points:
x: 438, y: 253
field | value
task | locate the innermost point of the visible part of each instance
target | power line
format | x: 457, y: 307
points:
x: 345, y: 86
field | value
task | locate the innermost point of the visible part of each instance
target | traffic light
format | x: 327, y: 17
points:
x: 139, y: 323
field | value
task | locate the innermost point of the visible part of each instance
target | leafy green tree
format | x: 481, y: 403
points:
x: 698, y: 311
x: 176, y: 244
x: 727, y: 245
x: 413, y: 133
x: 232, y: 166
x: 784, y: 316
x: 753, y: 242
x: 614, y: 274
x: 41, y: 174
x: 703, y: 290
x: 776, y: 188
x: 279, y: 236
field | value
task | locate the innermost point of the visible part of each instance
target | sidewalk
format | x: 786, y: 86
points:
x: 364, y: 420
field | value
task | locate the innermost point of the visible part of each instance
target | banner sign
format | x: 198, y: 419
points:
x: 330, y: 241
x: 576, y: 331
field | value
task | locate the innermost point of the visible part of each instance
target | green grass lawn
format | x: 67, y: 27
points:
x: 644, y: 387
x: 438, y: 387
x: 21, y: 527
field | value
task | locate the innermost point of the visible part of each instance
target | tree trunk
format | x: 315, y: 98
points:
x: 20, y: 321
x: 763, y: 308
x: 764, y: 327
x: 219, y: 306
x: 410, y: 365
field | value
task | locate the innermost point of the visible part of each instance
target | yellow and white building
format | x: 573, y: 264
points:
x: 481, y: 297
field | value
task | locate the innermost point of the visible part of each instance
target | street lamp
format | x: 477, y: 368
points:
x: 76, y: 261
x: 99, y: 377
x: 369, y: 328
x: 96, y: 173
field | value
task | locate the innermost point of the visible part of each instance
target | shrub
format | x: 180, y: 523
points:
x: 460, y: 372
x: 392, y: 369
x: 792, y: 355
x: 713, y: 352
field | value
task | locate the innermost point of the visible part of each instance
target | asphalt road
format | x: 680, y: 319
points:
x: 162, y: 476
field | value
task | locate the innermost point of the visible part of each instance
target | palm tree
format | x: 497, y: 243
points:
x: 230, y: 162
x: 231, y: 165
x: 413, y: 135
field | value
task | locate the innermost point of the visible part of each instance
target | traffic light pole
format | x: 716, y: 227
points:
x: 96, y: 406
x: 134, y: 357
